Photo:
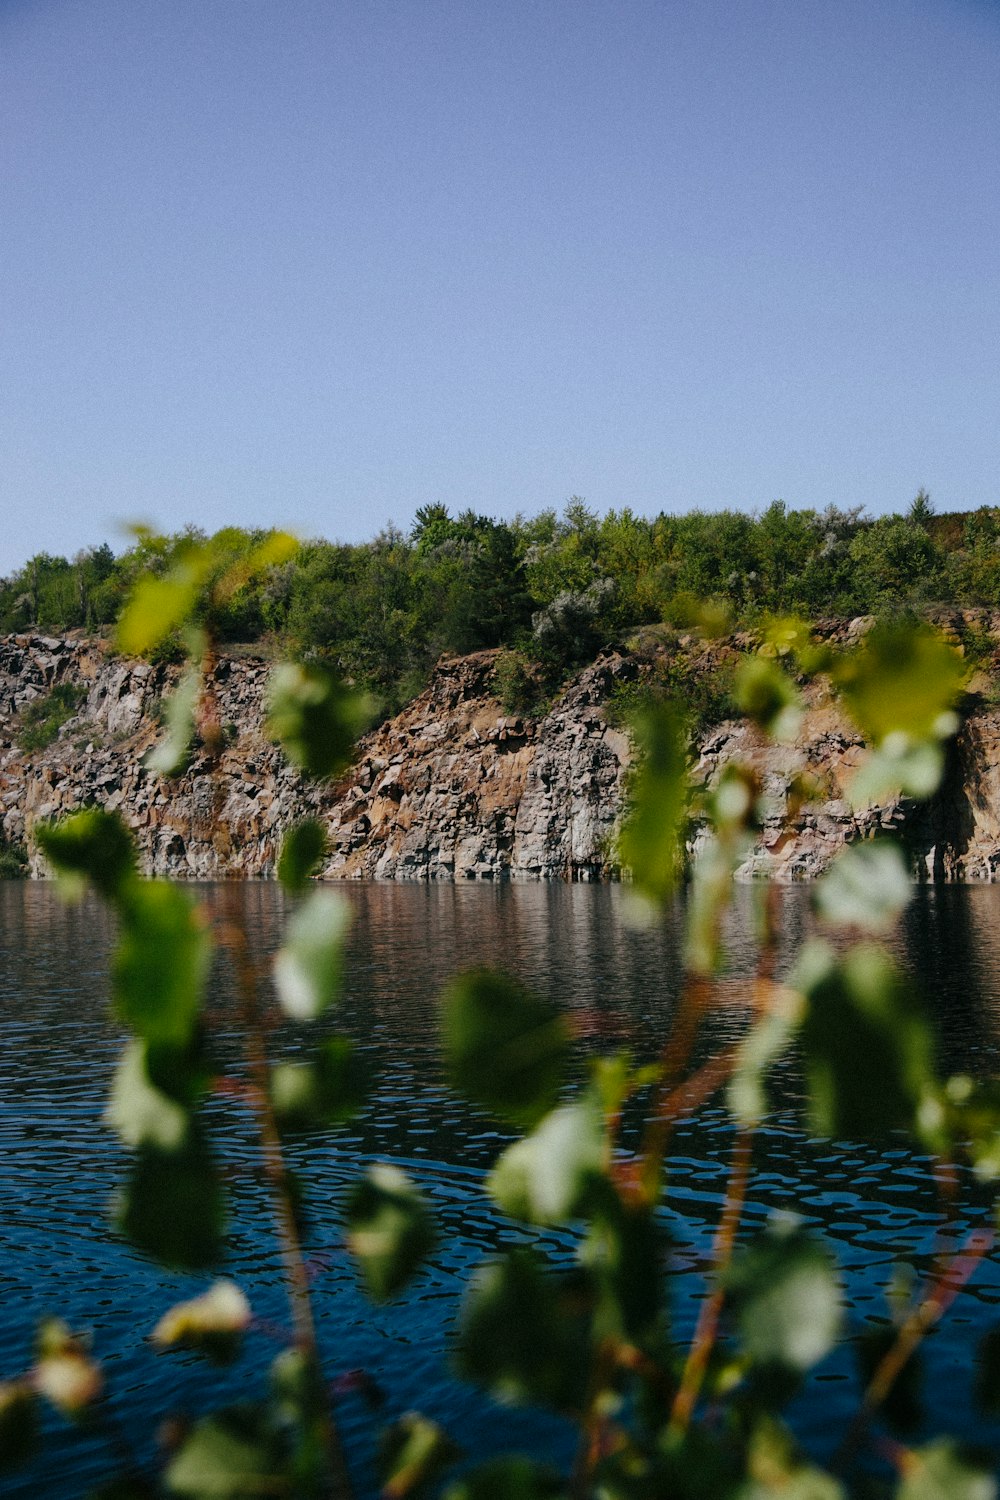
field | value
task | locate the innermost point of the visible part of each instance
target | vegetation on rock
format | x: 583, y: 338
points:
x: 551, y: 589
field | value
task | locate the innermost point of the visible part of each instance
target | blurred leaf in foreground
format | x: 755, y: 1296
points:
x: 768, y: 697
x: 307, y: 967
x: 301, y: 851
x: 868, y: 1049
x: 230, y: 1456
x: 170, y: 755
x: 521, y: 1335
x: 141, y: 1113
x: 91, y: 845
x: 776, y: 1468
x: 389, y: 1229
x: 763, y: 1046
x: 511, y: 1478
x: 326, y: 1090
x: 946, y: 1470
x: 18, y: 1422
x: 547, y: 1177
x: 505, y: 1047
x: 651, y: 843
x: 903, y: 680
x: 213, y: 1323
x: 159, y: 606
x: 412, y: 1453
x: 161, y: 962
x: 785, y: 1295
x: 171, y: 1207
x: 867, y: 886
x: 314, y: 717
x: 64, y: 1371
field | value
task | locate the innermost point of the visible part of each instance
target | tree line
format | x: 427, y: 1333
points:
x: 552, y: 588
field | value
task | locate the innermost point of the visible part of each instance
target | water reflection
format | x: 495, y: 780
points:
x: 58, y: 1166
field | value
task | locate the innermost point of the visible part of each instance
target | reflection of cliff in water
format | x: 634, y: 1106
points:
x: 950, y: 939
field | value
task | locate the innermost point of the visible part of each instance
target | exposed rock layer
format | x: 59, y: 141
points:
x: 451, y: 788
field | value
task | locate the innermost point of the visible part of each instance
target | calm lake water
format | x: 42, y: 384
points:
x: 58, y: 1166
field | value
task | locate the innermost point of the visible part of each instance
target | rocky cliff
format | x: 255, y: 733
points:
x: 453, y: 787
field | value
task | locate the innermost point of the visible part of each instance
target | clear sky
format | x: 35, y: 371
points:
x: 320, y: 262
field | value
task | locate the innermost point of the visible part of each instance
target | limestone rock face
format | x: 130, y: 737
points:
x: 452, y: 788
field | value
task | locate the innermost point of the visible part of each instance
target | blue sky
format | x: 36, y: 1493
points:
x: 318, y: 263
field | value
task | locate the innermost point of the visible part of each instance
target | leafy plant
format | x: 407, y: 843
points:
x: 587, y: 1333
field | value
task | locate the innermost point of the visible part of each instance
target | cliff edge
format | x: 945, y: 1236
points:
x: 453, y: 787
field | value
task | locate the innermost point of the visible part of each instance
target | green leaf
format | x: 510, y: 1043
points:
x: 172, y: 1207
x: 314, y: 717
x: 651, y: 844
x: 710, y: 893
x: 763, y: 1046
x: 64, y: 1371
x: 868, y: 1048
x: 904, y: 680
x: 509, y: 1478
x: 765, y: 694
x: 307, y: 968
x: 506, y: 1048
x: 160, y: 605
x: 692, y: 1465
x: 784, y: 1293
x: 616, y: 1078
x: 521, y: 1334
x: 897, y: 768
x: 548, y: 1177
x: 412, y: 1453
x: 161, y: 963
x: 141, y: 1113
x: 301, y: 851
x: 18, y: 1422
x: 171, y: 755
x: 70, y: 1379
x: 213, y: 1323
x: 229, y: 1456
x: 776, y: 1469
x: 945, y: 1470
x: 277, y: 547
x: 867, y: 886
x: 624, y: 1252
x: 389, y: 1229
x: 971, y: 1118
x: 92, y: 845
x: 328, y: 1090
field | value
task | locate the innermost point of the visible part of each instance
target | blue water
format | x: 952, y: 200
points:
x: 59, y: 1166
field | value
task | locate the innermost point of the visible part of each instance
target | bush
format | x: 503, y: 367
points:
x: 13, y: 860
x: 518, y: 683
x: 41, y: 721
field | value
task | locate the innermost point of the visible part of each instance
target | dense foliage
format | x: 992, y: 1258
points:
x: 585, y: 1330
x: 552, y: 589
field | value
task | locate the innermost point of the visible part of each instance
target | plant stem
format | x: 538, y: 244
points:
x: 941, y: 1294
x: 708, y: 1318
x: 276, y: 1174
